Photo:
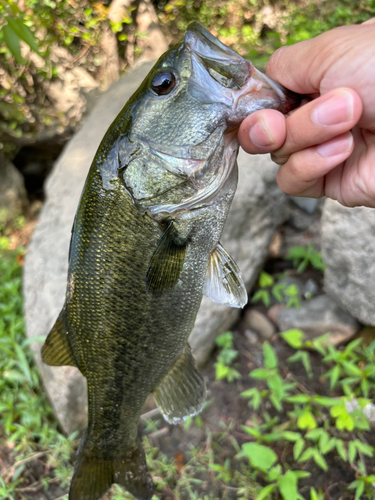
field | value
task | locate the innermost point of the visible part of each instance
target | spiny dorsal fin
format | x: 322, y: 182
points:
x: 56, y: 350
x: 94, y: 474
x: 167, y: 261
x: 224, y: 283
x: 182, y: 392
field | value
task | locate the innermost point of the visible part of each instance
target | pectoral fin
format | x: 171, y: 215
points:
x: 182, y: 392
x: 56, y: 350
x: 224, y: 283
x: 167, y: 262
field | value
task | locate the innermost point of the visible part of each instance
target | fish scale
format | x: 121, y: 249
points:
x: 145, y: 245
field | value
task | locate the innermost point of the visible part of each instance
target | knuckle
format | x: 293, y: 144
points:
x: 279, y: 159
x: 296, y: 168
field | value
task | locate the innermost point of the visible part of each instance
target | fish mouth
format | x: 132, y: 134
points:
x: 288, y: 100
x: 217, y: 56
x: 234, y: 81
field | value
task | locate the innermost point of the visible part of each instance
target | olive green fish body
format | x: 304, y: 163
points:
x: 145, y: 247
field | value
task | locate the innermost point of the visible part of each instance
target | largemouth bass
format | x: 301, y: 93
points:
x: 145, y: 247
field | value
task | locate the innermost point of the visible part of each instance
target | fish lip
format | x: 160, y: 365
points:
x: 288, y: 100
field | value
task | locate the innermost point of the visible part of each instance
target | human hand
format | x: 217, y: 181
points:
x: 327, y: 146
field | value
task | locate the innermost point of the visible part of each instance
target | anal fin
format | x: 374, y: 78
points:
x: 166, y: 262
x: 56, y: 350
x: 182, y: 392
x: 224, y: 283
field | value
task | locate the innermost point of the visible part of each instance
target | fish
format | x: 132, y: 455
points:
x: 145, y: 247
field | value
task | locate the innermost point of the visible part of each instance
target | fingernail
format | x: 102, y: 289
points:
x: 336, y: 146
x: 337, y: 109
x: 260, y: 136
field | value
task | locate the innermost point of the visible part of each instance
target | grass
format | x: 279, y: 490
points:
x: 28, y: 429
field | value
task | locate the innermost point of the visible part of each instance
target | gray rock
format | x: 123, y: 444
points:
x: 310, y: 289
x: 257, y: 321
x: 257, y: 210
x: 251, y: 336
x: 307, y: 204
x: 318, y: 316
x: 13, y: 195
x: 348, y: 250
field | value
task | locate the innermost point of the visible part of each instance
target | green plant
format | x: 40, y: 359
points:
x: 278, y: 388
x: 280, y: 291
x: 302, y: 257
x: 317, y: 424
x: 29, y: 33
x: 225, y: 358
x: 27, y: 423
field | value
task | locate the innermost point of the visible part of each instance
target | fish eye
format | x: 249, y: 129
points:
x: 163, y: 83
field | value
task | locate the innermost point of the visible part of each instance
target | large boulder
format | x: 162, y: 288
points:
x: 257, y: 210
x: 348, y: 250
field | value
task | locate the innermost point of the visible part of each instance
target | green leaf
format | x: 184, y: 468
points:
x: 227, y: 356
x: 277, y: 291
x: 298, y: 447
x: 288, y: 486
x: 260, y: 456
x: 253, y: 432
x: 299, y: 399
x: 324, y: 401
x: 259, y: 373
x: 266, y: 491
x: 343, y: 419
x: 291, y: 436
x: 326, y: 447
x: 314, y: 494
x: 306, y: 420
x: 358, y: 492
x: 23, y: 32
x: 225, y: 340
x: 293, y: 337
x: 12, y: 41
x: 340, y: 449
x: 334, y: 375
x: 317, y: 457
x: 265, y: 280
x: 269, y: 356
x: 364, y: 448
x: 23, y: 363
x: 352, y: 369
x: 352, y: 451
x: 262, y: 295
x: 255, y: 397
x: 292, y: 291
x: 315, y: 434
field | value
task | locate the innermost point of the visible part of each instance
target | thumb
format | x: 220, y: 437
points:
x: 292, y: 67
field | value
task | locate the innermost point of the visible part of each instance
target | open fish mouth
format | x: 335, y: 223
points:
x: 222, y: 75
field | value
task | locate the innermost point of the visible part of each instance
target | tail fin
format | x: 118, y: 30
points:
x: 93, y: 475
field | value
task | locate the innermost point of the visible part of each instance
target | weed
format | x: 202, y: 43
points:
x: 302, y: 257
x: 316, y: 425
x: 282, y: 292
x: 226, y: 356
x: 27, y: 424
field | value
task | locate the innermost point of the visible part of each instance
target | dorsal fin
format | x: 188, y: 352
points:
x: 166, y: 262
x: 224, y: 283
x: 182, y: 392
x: 56, y: 350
